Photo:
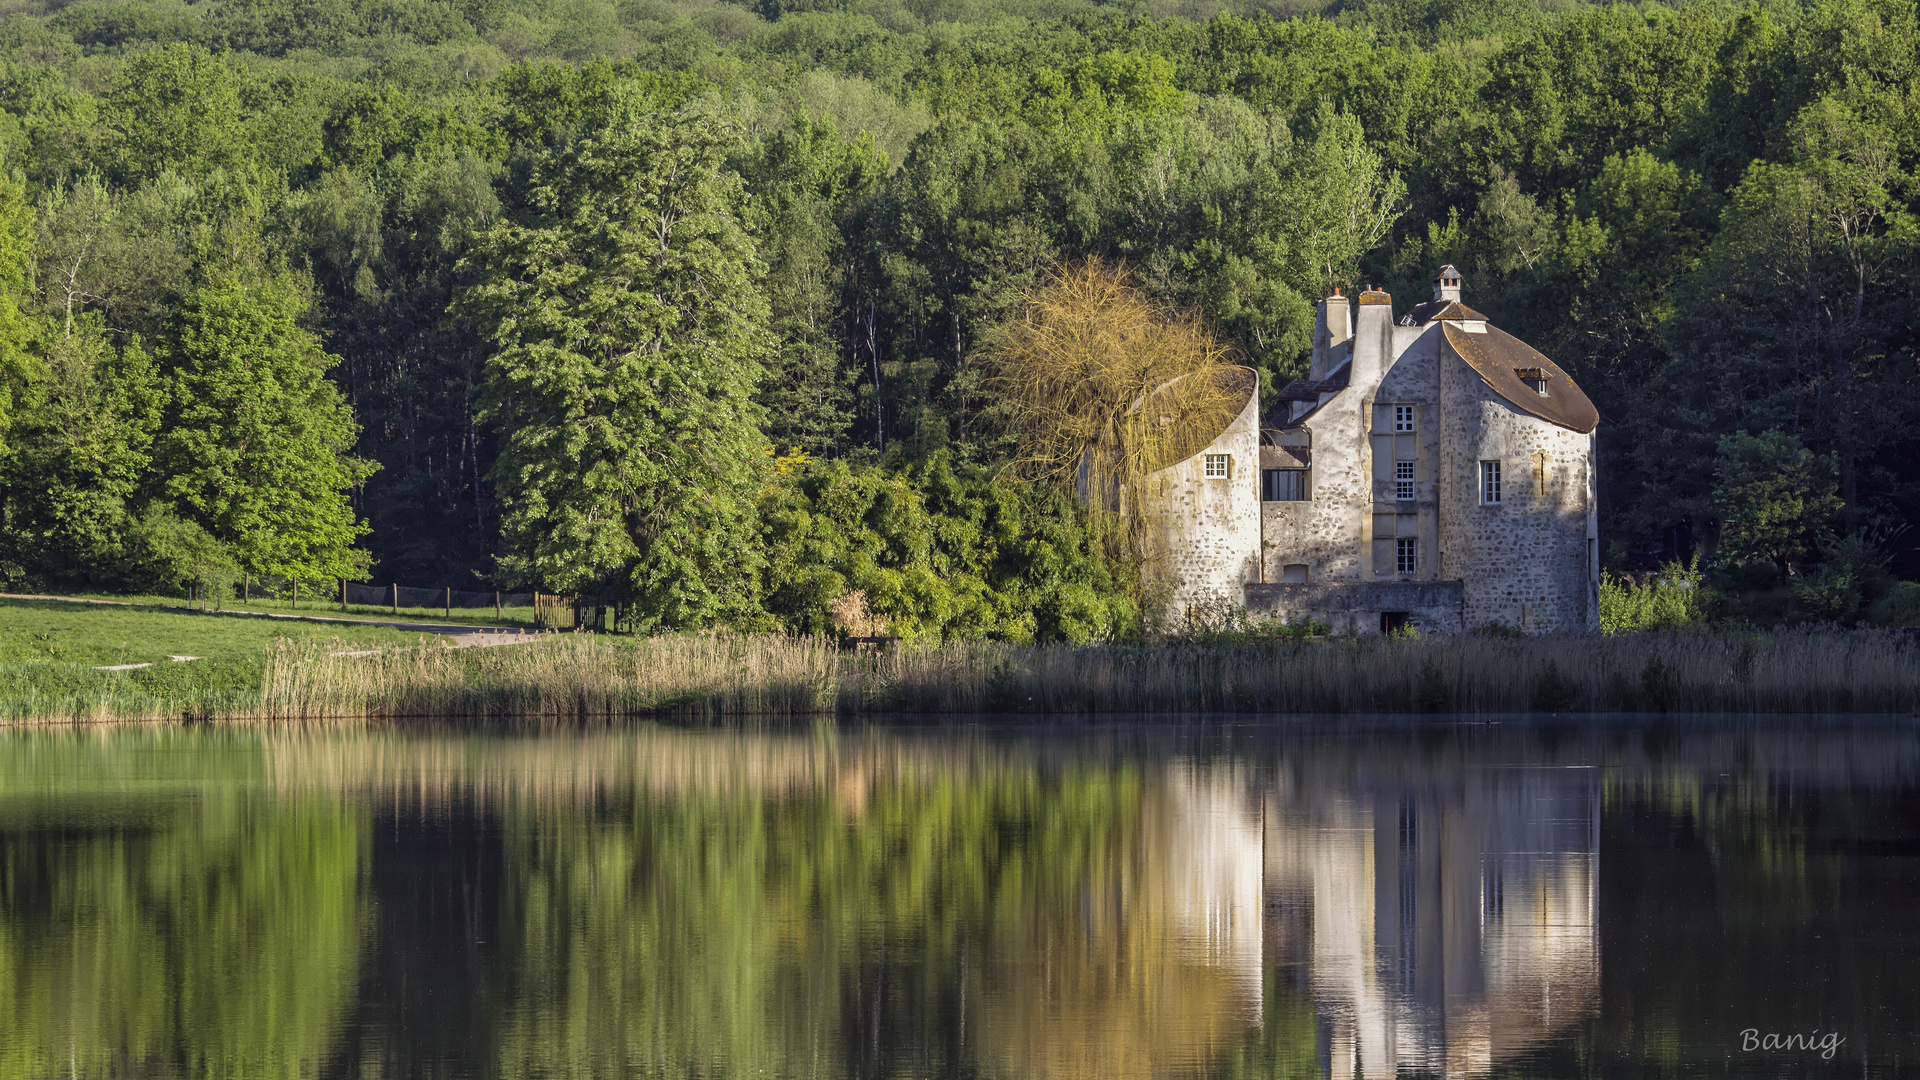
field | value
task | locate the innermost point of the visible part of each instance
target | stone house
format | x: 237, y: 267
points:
x: 1432, y: 471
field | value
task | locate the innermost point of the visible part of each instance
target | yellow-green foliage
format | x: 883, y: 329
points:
x: 1670, y: 600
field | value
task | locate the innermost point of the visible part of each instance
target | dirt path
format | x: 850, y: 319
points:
x: 464, y: 635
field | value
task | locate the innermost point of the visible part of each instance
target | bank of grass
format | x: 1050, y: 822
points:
x: 51, y: 653
x: 720, y: 677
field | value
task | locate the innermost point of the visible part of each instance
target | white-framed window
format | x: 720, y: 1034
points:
x: 1219, y: 466
x: 1403, y: 481
x: 1489, y: 483
x: 1402, y: 419
x: 1406, y: 555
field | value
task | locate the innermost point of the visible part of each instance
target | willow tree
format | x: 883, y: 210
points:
x: 1105, y: 386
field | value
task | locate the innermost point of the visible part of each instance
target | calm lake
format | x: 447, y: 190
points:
x: 1342, y: 898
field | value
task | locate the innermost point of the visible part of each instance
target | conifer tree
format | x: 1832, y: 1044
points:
x: 631, y: 327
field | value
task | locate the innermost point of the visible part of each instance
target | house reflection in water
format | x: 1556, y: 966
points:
x: 1442, y: 926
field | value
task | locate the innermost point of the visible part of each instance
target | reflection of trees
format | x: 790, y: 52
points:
x: 721, y: 931
x: 172, y: 927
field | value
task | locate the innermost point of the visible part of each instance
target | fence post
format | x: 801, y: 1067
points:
x: 296, y: 594
x: 496, y: 606
x: 396, y: 600
x: 343, y: 594
x: 246, y: 589
x: 449, y: 601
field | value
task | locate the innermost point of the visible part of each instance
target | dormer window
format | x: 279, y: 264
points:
x: 1535, y: 378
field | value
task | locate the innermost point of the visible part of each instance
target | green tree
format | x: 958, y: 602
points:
x: 178, y: 109
x: 631, y: 326
x: 16, y: 288
x: 810, y: 182
x: 255, y: 444
x: 1775, y: 498
x: 82, y: 447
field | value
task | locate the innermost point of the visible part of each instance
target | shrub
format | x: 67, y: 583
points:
x: 1554, y: 692
x: 1432, y: 692
x: 1899, y: 607
x: 939, y: 552
x: 1673, y: 599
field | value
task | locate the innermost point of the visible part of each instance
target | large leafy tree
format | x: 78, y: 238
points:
x: 255, y: 443
x: 1775, y: 496
x: 81, y: 446
x: 16, y: 283
x: 631, y: 325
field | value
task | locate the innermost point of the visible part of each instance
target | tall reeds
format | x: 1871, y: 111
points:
x: 771, y: 676
x: 714, y: 676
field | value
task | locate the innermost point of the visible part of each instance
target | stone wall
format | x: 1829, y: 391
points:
x: 1203, y: 534
x: 1527, y: 562
x: 1322, y: 532
x: 1355, y: 607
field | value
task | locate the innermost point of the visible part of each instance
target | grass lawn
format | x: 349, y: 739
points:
x: 50, y: 652
x: 41, y: 631
x: 522, y: 616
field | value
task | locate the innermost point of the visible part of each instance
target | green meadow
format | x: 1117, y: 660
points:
x: 52, y: 653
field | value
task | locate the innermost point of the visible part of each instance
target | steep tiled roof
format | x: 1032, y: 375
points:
x: 1308, y: 390
x: 1446, y: 310
x: 1499, y: 358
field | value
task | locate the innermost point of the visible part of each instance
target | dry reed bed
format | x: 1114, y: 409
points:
x: 715, y: 676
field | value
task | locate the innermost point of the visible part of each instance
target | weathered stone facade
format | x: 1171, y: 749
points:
x: 1349, y: 607
x: 1432, y: 471
x: 1201, y: 534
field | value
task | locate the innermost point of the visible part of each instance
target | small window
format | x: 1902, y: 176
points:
x: 1402, y: 418
x: 1535, y: 378
x: 1293, y: 574
x: 1219, y: 466
x: 1403, y: 481
x: 1283, y: 485
x: 1489, y: 483
x: 1406, y: 555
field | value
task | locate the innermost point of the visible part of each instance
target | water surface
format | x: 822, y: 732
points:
x: 1300, y: 899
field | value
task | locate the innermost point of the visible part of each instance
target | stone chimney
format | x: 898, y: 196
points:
x: 1372, y: 339
x: 1446, y: 285
x: 1331, y: 329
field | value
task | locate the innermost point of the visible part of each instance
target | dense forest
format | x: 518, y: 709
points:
x: 330, y: 288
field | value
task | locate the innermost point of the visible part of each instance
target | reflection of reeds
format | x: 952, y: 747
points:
x: 720, y: 676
